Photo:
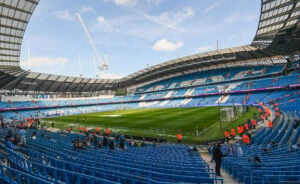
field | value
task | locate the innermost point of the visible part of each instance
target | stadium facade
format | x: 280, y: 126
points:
x: 264, y: 73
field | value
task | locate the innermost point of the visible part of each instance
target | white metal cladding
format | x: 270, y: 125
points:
x: 14, y: 17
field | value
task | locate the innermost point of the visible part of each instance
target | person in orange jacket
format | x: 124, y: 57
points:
x: 232, y: 133
x: 97, y: 130
x: 239, y: 130
x: 179, y: 138
x: 270, y: 124
x: 246, y: 139
x: 85, y: 129
x: 242, y: 129
x: 80, y: 128
x: 69, y: 129
x: 227, y: 136
x: 246, y: 126
x: 107, y: 131
x: 254, y: 123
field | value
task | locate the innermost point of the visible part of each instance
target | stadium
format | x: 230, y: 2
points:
x: 177, y: 121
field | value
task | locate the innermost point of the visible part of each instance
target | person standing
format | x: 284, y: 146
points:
x: 246, y: 126
x: 270, y: 124
x: 232, y: 133
x: 227, y: 136
x: 97, y: 130
x: 179, y: 138
x: 217, y: 157
x: 246, y: 139
x: 107, y: 131
x: 22, y: 134
x: 254, y: 123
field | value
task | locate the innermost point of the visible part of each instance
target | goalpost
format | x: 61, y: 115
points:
x: 230, y: 113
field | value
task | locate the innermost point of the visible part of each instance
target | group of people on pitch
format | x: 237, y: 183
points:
x: 243, y: 130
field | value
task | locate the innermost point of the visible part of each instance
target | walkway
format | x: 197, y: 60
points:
x: 207, y: 158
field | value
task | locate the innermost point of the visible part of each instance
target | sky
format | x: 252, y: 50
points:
x: 130, y: 35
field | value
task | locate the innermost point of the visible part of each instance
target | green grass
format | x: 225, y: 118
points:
x: 160, y: 123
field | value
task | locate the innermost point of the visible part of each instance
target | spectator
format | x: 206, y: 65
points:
x: 22, y: 134
x: 17, y: 139
x: 33, y: 135
x: 192, y: 149
x: 105, y: 140
x: 230, y: 150
x: 256, y: 161
x: 111, y: 145
x: 99, y: 144
x: 122, y: 144
x: 63, y: 133
x: 9, y: 134
x: 78, y: 145
x: 217, y: 157
x: 9, y: 144
x: 239, y: 150
x: 52, y: 139
x: 87, y: 141
x: 95, y: 141
x: 295, y: 147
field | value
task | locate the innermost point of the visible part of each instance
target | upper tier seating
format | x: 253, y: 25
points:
x: 211, y: 76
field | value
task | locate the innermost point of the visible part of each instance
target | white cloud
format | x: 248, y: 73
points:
x: 240, y: 17
x: 64, y: 15
x: 186, y: 12
x: 127, y: 3
x: 212, y: 7
x: 87, y: 9
x: 43, y: 61
x: 171, y: 20
x: 167, y: 46
x: 123, y: 2
x: 110, y: 76
x: 155, y: 2
x: 101, y: 20
x: 203, y: 49
x: 160, y: 26
x: 103, y: 25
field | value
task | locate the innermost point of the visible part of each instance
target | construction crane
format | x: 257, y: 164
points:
x: 103, y: 63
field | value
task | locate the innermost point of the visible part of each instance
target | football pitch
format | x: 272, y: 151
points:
x: 197, y: 125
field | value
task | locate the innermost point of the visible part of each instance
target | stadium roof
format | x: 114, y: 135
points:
x: 278, y: 28
x: 277, y: 34
x: 14, y: 15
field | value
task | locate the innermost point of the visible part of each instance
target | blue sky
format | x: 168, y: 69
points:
x: 134, y: 33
